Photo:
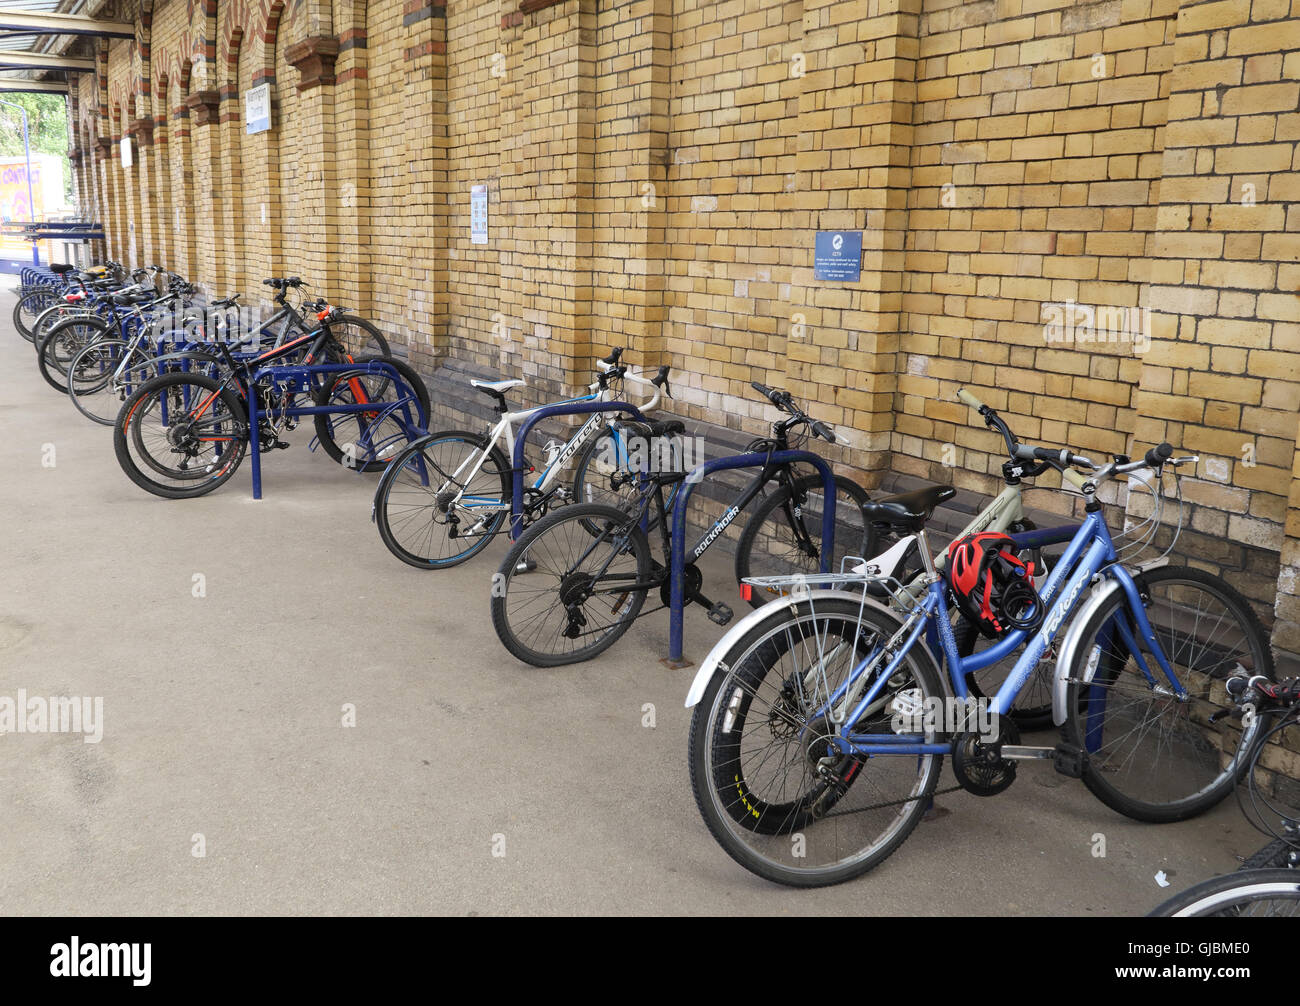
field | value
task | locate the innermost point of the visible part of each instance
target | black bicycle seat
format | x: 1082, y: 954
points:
x: 658, y: 428
x: 60, y: 268
x: 131, y: 299
x: 908, y: 510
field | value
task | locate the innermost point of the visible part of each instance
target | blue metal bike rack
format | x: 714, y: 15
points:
x: 304, y: 374
x: 546, y: 412
x: 677, y: 570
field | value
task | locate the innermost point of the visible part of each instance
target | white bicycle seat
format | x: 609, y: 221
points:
x: 497, y: 387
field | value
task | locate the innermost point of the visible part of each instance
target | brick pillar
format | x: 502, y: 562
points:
x: 183, y: 196
x: 853, y: 174
x: 111, y: 166
x: 354, y: 288
x: 160, y: 175
x: 425, y: 278
x: 546, y: 262
x: 229, y: 132
x: 261, y: 182
x: 631, y: 172
x: 208, y: 206
x: 148, y: 225
x: 1220, y: 376
x: 317, y: 209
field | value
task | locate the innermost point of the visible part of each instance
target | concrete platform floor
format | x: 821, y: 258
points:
x: 222, y: 719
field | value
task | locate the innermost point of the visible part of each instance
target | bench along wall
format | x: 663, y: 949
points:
x: 1084, y: 211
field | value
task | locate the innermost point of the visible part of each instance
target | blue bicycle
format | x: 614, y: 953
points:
x: 821, y: 720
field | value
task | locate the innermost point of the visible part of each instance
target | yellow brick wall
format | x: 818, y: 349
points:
x: 657, y: 169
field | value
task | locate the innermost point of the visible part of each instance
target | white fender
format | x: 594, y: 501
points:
x: 1070, y: 644
x: 887, y: 560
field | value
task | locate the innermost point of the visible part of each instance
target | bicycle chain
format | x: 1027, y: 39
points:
x: 891, y: 803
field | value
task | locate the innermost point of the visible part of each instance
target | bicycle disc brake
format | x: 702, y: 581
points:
x: 978, y: 763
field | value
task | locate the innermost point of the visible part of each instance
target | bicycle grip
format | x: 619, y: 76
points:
x: 824, y: 431
x: 1074, y: 478
x: 1158, y: 455
x: 614, y: 354
x: 967, y: 398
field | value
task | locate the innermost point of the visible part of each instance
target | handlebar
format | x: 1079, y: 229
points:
x: 1258, y: 693
x: 1064, y: 460
x: 784, y: 401
x: 610, y: 368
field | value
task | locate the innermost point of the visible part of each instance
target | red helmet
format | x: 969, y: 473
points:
x: 992, y: 586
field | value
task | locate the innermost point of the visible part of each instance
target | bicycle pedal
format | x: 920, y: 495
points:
x: 280, y: 445
x: 720, y: 614
x: 1068, y: 759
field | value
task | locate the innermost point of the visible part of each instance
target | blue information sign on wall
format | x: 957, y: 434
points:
x: 837, y: 256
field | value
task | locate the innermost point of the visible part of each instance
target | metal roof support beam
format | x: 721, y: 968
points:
x: 17, y: 59
x: 12, y: 85
x: 64, y: 24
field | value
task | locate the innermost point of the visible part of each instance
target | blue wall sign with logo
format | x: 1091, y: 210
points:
x: 837, y: 256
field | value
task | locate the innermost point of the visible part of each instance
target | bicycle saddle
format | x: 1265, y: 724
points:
x: 496, y: 387
x: 908, y: 510
x: 131, y: 299
x: 658, y: 428
x: 61, y: 268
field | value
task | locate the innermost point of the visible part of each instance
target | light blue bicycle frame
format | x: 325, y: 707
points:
x: 1089, y: 551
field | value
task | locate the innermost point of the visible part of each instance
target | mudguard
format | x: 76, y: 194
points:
x: 775, y: 610
x: 1071, y: 642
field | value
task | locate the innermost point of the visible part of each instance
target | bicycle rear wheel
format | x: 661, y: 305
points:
x: 775, y: 794
x: 1151, y: 756
x: 64, y: 341
x: 603, y: 473
x: 29, y: 307
x: 562, y: 594
x: 367, y: 441
x: 436, y: 506
x: 784, y: 535
x: 1269, y: 894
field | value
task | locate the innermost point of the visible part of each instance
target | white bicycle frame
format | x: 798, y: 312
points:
x: 505, y: 430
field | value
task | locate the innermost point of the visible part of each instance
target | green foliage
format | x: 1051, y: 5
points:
x: 47, y: 128
x: 47, y: 124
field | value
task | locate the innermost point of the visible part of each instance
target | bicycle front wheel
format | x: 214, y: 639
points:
x: 1268, y: 894
x: 368, y: 441
x: 784, y: 536
x: 64, y: 341
x: 181, y: 435
x: 563, y: 594
x: 605, y: 473
x: 102, y: 375
x: 1150, y: 755
x: 29, y: 308
x: 775, y: 792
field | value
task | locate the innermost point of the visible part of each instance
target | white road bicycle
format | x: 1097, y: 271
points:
x: 448, y: 494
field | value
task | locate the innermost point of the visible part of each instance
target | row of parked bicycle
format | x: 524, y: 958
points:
x: 822, y: 717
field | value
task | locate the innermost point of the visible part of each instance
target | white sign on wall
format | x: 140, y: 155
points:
x: 257, y: 109
x: 126, y: 152
x: 478, y: 214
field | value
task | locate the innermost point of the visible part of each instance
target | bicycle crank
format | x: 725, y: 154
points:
x: 979, y: 763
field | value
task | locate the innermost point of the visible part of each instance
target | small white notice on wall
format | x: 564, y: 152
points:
x: 478, y: 214
x: 257, y: 109
x: 126, y: 152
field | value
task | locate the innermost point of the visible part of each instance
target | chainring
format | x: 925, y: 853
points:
x: 690, y: 586
x: 978, y: 764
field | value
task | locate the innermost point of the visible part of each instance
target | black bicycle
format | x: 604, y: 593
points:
x: 575, y: 581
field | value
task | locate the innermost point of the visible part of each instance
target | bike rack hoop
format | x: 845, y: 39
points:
x: 677, y: 568
x: 546, y: 412
x: 306, y: 372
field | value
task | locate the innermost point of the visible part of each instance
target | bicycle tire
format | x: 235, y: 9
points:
x: 1227, y: 895
x: 327, y: 426
x: 32, y: 302
x: 83, y: 391
x: 1085, y: 728
x: 734, y: 805
x: 856, y: 531
x: 535, y: 545
x: 1274, y: 856
x: 126, y: 432
x: 394, y: 515
x: 64, y: 341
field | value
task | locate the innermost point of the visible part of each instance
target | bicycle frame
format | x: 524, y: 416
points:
x: 1089, y: 553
